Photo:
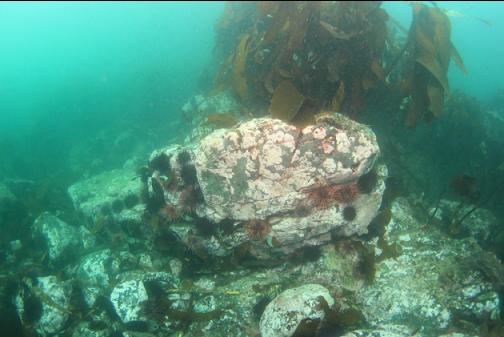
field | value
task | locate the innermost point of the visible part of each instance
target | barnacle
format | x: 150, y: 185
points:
x: 257, y: 229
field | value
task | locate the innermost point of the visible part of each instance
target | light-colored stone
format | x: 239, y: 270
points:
x: 62, y: 240
x: 283, y: 315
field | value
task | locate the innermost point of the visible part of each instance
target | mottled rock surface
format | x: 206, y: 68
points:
x: 265, y: 167
x: 53, y: 297
x: 112, y: 195
x: 62, y: 240
x: 146, y: 298
x: 286, y: 312
x: 95, y: 274
x: 434, y: 280
x: 280, y: 187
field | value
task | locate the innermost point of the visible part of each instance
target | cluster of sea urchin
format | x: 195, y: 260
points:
x: 325, y: 196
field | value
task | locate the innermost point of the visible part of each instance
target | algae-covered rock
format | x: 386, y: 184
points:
x: 127, y: 298
x: 434, y: 281
x: 265, y: 167
x: 44, y: 303
x: 273, y: 184
x: 109, y: 196
x: 63, y: 241
x: 285, y: 313
x: 95, y: 273
x: 144, y: 299
x: 389, y: 330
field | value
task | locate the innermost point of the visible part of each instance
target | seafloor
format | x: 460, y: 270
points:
x: 261, y: 229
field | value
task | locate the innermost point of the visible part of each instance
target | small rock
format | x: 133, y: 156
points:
x: 95, y: 273
x: 127, y: 298
x: 52, y: 297
x: 61, y: 239
x: 283, y: 315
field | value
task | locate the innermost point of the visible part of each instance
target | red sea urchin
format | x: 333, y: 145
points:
x: 321, y: 197
x: 344, y: 193
x: 257, y: 229
x: 169, y: 213
x: 326, y: 195
x: 187, y: 199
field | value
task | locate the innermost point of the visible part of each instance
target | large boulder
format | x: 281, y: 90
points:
x: 279, y: 186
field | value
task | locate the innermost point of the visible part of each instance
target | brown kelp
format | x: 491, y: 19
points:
x: 297, y: 59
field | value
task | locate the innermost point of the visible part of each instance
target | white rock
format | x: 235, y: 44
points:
x: 61, y: 239
x: 283, y: 315
x: 127, y: 298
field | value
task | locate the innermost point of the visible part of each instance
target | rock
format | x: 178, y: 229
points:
x: 382, y: 331
x: 45, y: 304
x: 7, y: 199
x: 95, y: 273
x: 91, y: 329
x: 144, y: 298
x: 199, y: 107
x: 109, y: 199
x: 480, y: 224
x: 285, y: 313
x: 278, y: 187
x: 433, y: 281
x: 108, y: 193
x: 62, y: 240
x: 127, y: 298
x: 265, y: 167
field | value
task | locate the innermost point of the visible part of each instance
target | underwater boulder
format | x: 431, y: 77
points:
x: 287, y: 185
x: 294, y: 307
x: 270, y: 184
x: 62, y: 241
x: 266, y: 167
x: 148, y: 302
x: 110, y: 201
x: 95, y: 272
x: 44, y: 305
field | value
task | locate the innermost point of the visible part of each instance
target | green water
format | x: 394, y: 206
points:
x: 69, y: 70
